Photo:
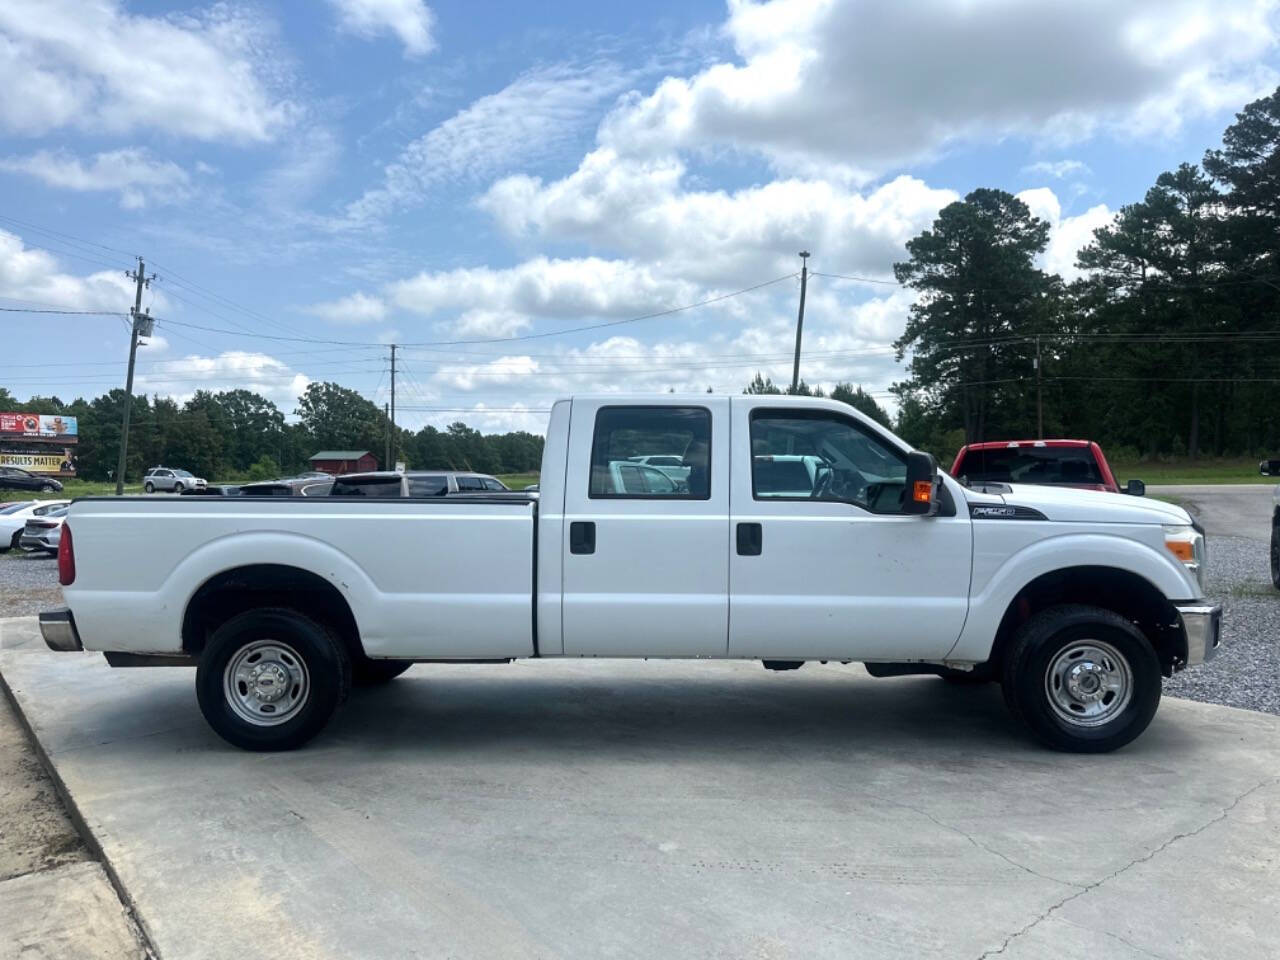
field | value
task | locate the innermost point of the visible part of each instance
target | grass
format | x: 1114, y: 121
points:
x: 518, y: 481
x: 1208, y: 470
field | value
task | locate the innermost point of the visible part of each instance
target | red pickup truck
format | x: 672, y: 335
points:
x: 1068, y: 463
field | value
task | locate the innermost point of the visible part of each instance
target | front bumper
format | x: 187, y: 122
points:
x: 1202, y: 626
x: 58, y: 628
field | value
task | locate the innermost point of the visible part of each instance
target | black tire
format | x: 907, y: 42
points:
x: 46, y: 488
x: 1029, y: 673
x: 149, y: 487
x: 1275, y: 555
x: 327, y: 669
x: 177, y: 487
x: 370, y: 673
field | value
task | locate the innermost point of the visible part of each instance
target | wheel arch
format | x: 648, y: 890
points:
x: 238, y: 589
x: 1121, y: 591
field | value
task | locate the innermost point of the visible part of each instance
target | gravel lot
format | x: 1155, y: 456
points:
x: 28, y: 583
x: 1246, y: 672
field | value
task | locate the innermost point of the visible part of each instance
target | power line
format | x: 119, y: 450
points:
x: 82, y: 313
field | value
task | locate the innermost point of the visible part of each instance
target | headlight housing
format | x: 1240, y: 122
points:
x: 1186, y: 542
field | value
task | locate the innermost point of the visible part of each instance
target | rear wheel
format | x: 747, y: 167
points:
x: 270, y: 679
x: 1082, y: 679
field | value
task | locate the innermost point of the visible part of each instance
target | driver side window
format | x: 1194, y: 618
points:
x: 820, y: 455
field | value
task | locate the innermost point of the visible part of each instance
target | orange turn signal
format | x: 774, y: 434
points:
x: 923, y: 491
x: 1182, y: 549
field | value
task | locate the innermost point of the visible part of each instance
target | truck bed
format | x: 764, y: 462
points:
x: 448, y: 577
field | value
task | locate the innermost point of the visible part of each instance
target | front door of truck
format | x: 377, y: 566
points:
x: 645, y: 551
x: 823, y: 564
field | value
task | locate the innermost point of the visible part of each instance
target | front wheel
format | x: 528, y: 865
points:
x: 149, y: 487
x: 177, y: 488
x: 1082, y: 679
x: 270, y: 679
x: 46, y: 488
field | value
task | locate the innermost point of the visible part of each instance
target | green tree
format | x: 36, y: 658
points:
x: 860, y: 400
x: 336, y: 417
x: 980, y: 299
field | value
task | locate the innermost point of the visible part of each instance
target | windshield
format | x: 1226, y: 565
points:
x: 1047, y: 465
x: 181, y: 473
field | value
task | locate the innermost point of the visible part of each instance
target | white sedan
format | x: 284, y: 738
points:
x: 14, y: 517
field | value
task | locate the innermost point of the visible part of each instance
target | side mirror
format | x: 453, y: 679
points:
x: 1135, y: 488
x: 922, y: 477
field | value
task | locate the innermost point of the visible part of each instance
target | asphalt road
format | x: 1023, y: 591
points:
x: 1225, y: 509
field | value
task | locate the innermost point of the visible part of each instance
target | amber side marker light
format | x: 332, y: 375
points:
x: 1182, y: 549
x: 923, y: 491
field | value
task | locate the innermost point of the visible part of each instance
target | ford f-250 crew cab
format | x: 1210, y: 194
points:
x: 802, y: 531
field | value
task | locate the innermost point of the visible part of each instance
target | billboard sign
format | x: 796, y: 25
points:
x: 43, y: 425
x: 63, y: 463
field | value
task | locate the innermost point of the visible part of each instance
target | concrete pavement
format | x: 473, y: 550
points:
x: 611, y: 809
x: 1225, y: 509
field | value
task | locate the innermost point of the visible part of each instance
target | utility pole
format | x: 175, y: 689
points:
x: 804, y: 282
x: 141, y: 323
x: 387, y: 417
x: 1039, y: 396
x: 391, y: 432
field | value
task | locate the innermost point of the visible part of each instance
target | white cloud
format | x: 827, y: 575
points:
x: 32, y: 276
x: 230, y: 370
x: 95, y: 67
x: 587, y: 287
x: 132, y: 172
x: 410, y: 20
x: 717, y: 237
x: 1067, y: 235
x: 535, y: 115
x: 867, y: 86
x: 356, y: 308
x: 1058, y: 169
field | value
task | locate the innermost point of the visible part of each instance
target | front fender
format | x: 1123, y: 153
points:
x: 987, y: 606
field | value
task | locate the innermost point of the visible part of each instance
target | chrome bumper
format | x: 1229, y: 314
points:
x: 59, y: 630
x: 1202, y: 626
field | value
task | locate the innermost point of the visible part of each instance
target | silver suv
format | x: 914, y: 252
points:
x: 415, y: 483
x: 170, y: 480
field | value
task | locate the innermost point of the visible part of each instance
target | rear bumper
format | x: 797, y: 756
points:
x: 1202, y: 626
x: 58, y: 628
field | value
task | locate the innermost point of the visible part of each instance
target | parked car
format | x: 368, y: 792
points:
x: 1066, y: 463
x: 44, y: 532
x: 170, y: 480
x: 631, y: 478
x: 14, y: 517
x: 15, y: 478
x: 1077, y: 602
x: 414, y: 483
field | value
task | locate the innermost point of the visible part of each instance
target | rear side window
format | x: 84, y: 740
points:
x: 470, y: 484
x: 625, y: 434
x: 367, y: 487
x: 428, y: 486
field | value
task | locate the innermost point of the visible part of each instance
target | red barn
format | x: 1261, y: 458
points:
x: 338, y: 462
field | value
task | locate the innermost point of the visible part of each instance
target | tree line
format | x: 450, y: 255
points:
x: 238, y: 434
x: 1166, y: 346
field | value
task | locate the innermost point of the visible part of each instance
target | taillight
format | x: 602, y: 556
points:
x: 66, y: 557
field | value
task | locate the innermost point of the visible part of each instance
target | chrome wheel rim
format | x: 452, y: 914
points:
x: 1089, y: 683
x: 266, y: 683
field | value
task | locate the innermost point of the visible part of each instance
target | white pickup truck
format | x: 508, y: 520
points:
x: 802, y: 531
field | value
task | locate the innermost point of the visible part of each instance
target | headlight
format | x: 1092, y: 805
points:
x: 1186, y: 542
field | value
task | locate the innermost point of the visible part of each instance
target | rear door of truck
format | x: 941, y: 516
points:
x: 646, y: 565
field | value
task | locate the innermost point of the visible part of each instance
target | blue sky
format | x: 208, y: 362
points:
x: 314, y: 180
